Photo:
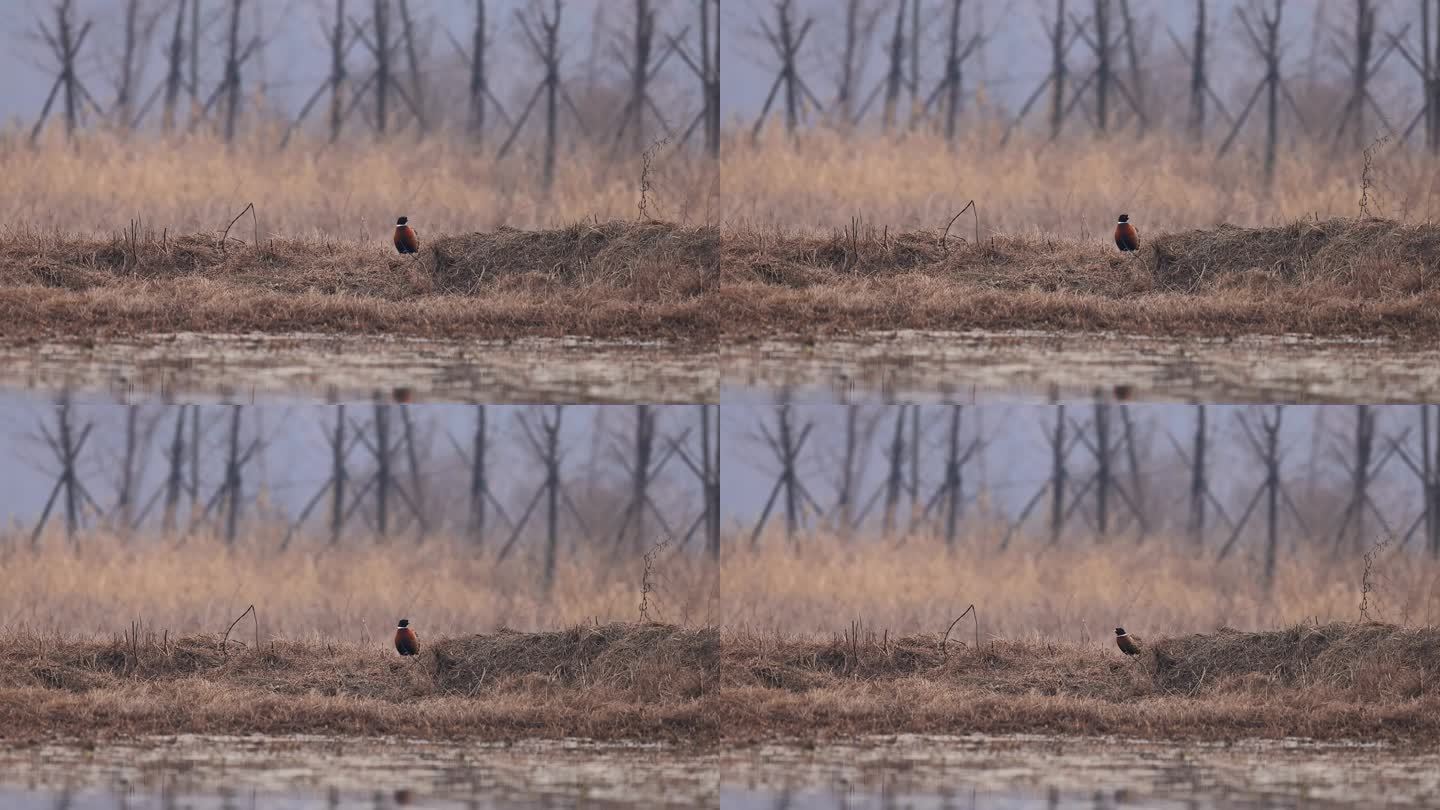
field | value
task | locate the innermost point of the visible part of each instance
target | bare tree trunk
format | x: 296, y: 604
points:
x: 124, y: 97
x: 67, y: 49
x: 1058, y: 72
x: 174, y: 482
x: 232, y: 475
x: 175, y: 75
x: 712, y: 70
x: 382, y: 66
x: 1198, y: 485
x: 846, y: 91
x: 338, y: 476
x: 382, y: 471
x: 896, y: 77
x: 412, y: 61
x: 337, y: 72
x: 711, y: 474
x: 914, y: 61
x: 552, y: 93
x: 1198, y: 81
x: 478, y: 87
x: 1103, y: 72
x: 232, y: 72
x: 1057, y: 477
x: 1272, y: 80
x: 477, y: 478
x: 952, y: 73
x: 125, y: 500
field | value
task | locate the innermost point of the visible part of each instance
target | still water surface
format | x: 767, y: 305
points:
x: 295, y: 773
x: 1009, y: 773
x: 910, y: 366
x: 325, y: 368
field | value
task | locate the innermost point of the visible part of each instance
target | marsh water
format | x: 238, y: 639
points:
x: 910, y: 366
x: 191, y: 367
x: 323, y: 772
x: 1008, y: 773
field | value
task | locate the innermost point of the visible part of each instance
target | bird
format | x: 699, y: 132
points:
x: 1128, y: 644
x: 406, y: 642
x: 405, y: 239
x: 1126, y: 237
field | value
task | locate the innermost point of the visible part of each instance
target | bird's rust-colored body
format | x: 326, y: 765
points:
x: 405, y: 239
x: 1128, y: 644
x: 406, y: 642
x: 1126, y: 237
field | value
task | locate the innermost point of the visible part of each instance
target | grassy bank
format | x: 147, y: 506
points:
x: 1332, y: 681
x: 612, y: 681
x: 606, y: 280
x: 1340, y: 277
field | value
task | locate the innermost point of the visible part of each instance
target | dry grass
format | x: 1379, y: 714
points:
x: 1332, y: 681
x: 350, y: 192
x: 1068, y: 190
x: 611, y: 280
x: 1074, y: 594
x: 611, y: 681
x: 1333, y: 278
x: 352, y: 593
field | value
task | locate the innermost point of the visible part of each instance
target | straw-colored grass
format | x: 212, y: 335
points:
x: 613, y: 280
x: 1070, y: 190
x: 349, y: 192
x: 352, y: 593
x: 1342, y: 277
x: 1075, y: 593
x: 1331, y: 681
x: 611, y: 681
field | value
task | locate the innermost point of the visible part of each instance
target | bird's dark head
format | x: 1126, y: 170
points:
x: 1119, y: 631
x: 404, y: 622
x: 1124, y: 217
x: 402, y: 220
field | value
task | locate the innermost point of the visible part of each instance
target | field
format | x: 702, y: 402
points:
x: 1219, y: 256
x: 111, y: 237
x: 128, y: 636
x: 835, y: 638
x: 603, y: 682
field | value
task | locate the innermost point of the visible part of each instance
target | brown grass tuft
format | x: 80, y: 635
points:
x: 1337, y: 681
x: 612, y: 280
x: 1334, y: 278
x: 614, y: 681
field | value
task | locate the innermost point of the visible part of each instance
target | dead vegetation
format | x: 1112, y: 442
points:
x: 1330, y: 278
x: 611, y: 280
x: 1334, y: 681
x: 611, y: 681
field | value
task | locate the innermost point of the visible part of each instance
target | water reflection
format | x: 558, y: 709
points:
x: 248, y: 368
x: 1038, y: 366
x: 243, y: 773
x: 1000, y: 773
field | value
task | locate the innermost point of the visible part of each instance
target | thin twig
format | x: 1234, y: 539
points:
x: 226, y: 235
x: 968, y: 207
x: 251, y: 610
x: 974, y: 614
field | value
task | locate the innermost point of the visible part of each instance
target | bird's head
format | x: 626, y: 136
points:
x: 401, y: 221
x: 1124, y: 218
x: 1119, y: 631
x: 404, y: 622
